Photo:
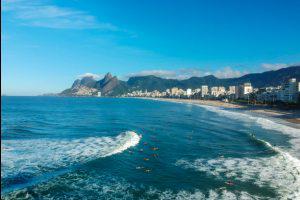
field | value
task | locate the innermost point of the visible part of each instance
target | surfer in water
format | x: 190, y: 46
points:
x: 230, y: 183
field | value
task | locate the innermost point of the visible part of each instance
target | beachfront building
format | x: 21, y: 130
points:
x: 168, y: 92
x: 214, y: 91
x: 204, y: 90
x: 181, y: 92
x: 230, y: 93
x: 231, y: 90
x: 99, y: 94
x: 243, y: 91
x: 217, y: 91
x: 290, y: 91
x: 174, y: 91
x: 188, y: 92
x: 267, y: 95
x: 222, y: 90
x: 247, y: 88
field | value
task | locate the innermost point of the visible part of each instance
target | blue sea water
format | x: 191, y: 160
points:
x: 123, y: 148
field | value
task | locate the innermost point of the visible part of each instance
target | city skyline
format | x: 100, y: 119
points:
x: 46, y: 45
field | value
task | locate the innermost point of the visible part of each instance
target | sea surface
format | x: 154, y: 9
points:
x: 123, y: 148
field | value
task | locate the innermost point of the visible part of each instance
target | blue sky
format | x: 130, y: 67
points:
x: 46, y: 45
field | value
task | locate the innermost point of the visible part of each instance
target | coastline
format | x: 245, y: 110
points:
x: 291, y: 116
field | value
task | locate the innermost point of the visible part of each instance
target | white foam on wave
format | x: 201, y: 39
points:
x: 280, y: 172
x: 105, y: 186
x: 216, y: 194
x: 39, y: 155
x: 265, y: 123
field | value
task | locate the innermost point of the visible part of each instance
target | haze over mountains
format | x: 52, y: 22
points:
x: 111, y: 86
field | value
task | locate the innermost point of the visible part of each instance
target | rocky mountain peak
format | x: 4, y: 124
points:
x: 107, y: 77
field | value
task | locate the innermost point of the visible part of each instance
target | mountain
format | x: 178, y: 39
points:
x: 87, y: 81
x: 108, y: 84
x: 111, y: 86
x: 88, y: 86
x: 151, y: 83
x: 258, y: 80
x: 269, y: 78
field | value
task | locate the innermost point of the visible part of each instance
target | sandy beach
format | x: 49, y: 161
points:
x: 292, y: 116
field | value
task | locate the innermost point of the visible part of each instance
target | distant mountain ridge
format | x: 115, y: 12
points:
x: 87, y: 86
x: 111, y: 86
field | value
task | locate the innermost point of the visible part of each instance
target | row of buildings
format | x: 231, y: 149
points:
x: 287, y: 92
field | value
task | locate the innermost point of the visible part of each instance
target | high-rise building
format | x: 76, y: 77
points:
x: 289, y: 92
x: 247, y: 88
x: 243, y: 91
x: 214, y: 91
x: 189, y: 92
x: 221, y: 90
x: 217, y: 91
x: 174, y: 91
x: 231, y: 90
x: 204, y: 90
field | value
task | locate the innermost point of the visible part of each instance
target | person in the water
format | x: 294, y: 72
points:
x: 230, y: 183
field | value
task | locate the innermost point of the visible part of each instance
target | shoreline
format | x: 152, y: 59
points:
x: 291, y: 116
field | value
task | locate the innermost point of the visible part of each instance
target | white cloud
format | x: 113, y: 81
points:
x: 94, y: 76
x: 33, y: 13
x: 228, y: 72
x: 274, y: 66
x: 185, y: 73
x: 158, y: 73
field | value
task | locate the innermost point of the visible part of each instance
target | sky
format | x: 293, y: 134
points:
x: 46, y: 45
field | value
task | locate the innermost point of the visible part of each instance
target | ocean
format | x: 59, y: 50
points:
x: 126, y: 148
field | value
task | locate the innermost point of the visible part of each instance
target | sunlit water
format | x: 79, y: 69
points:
x: 107, y: 148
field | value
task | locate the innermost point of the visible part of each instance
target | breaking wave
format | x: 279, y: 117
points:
x: 263, y: 122
x: 281, y: 172
x: 36, y: 156
x: 105, y: 186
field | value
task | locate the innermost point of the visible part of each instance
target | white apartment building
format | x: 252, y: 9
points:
x: 204, y: 90
x: 222, y: 90
x: 214, y: 91
x: 231, y: 90
x: 243, y: 91
x: 189, y: 92
x: 290, y: 91
x: 174, y: 91
x: 180, y: 92
x: 247, y: 88
x: 217, y: 91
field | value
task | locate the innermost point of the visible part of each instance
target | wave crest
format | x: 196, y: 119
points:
x: 41, y: 155
x: 280, y: 172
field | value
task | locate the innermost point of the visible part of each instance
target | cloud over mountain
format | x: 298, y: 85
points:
x: 274, y: 66
x: 185, y: 73
x: 91, y: 75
